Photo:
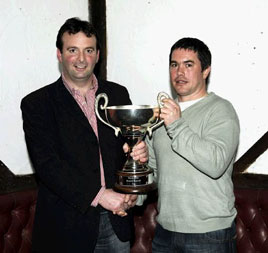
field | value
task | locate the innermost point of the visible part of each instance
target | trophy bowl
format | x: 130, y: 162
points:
x: 133, y: 122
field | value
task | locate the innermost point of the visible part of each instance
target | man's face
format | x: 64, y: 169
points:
x: 78, y: 57
x: 186, y: 75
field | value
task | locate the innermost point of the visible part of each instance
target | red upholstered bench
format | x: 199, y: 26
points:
x: 16, y: 221
x: 251, y: 222
x: 17, y: 212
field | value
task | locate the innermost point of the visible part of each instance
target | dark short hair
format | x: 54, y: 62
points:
x: 197, y: 46
x: 76, y: 25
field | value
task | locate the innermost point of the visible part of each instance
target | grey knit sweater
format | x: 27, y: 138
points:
x: 193, y: 160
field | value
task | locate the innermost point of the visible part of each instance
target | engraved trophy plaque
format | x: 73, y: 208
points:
x: 133, y: 122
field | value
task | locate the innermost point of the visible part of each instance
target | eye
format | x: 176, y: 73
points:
x: 90, y: 50
x: 72, y: 50
x: 173, y: 64
x: 188, y: 65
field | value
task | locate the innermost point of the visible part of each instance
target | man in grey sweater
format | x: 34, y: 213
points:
x: 192, y: 154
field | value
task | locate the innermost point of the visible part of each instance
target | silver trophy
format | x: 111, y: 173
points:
x: 133, y: 122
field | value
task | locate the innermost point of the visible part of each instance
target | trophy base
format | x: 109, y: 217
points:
x: 135, y: 182
x: 135, y: 189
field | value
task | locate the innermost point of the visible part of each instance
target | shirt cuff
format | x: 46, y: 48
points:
x: 95, y: 202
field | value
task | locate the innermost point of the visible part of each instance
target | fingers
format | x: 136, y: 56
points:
x: 112, y: 200
x: 127, y: 198
x: 132, y: 201
x: 140, y: 152
x: 121, y: 213
x: 170, y: 112
x: 129, y: 202
x: 125, y: 147
x: 116, y: 202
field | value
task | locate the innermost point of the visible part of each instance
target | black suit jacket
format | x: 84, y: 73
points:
x: 65, y: 155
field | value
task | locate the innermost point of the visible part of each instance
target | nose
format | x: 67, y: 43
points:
x: 81, y: 57
x: 180, y: 70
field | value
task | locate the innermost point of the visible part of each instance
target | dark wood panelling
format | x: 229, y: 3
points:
x: 12, y: 183
x: 97, y: 14
x: 252, y: 154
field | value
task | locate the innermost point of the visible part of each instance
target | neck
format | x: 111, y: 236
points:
x: 191, y: 97
x: 83, y: 86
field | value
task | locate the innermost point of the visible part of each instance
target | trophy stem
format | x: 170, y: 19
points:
x: 131, y: 164
x: 135, y: 177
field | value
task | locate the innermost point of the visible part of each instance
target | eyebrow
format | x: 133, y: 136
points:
x: 78, y: 47
x: 187, y: 61
x: 71, y: 47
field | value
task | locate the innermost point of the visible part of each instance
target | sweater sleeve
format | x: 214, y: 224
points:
x: 152, y: 158
x: 211, y: 148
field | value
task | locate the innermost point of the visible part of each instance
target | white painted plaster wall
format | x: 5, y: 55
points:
x: 28, y: 31
x: 141, y: 32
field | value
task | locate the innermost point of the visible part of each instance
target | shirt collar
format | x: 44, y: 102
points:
x: 74, y: 91
x: 185, y: 105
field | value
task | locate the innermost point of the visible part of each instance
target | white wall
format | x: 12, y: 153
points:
x: 140, y: 34
x: 28, y: 31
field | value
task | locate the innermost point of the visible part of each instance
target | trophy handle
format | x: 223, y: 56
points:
x: 103, y: 107
x: 161, y: 95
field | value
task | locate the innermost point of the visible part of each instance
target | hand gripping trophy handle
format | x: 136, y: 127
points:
x: 161, y: 95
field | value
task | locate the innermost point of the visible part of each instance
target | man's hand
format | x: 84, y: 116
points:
x: 139, y: 151
x: 130, y: 200
x: 170, y: 112
x: 114, y: 202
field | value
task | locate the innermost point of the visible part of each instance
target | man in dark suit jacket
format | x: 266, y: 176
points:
x: 75, y: 156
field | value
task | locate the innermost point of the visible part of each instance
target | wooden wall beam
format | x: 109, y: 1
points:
x: 97, y: 16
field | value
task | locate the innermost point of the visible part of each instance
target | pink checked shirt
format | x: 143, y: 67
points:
x: 86, y: 104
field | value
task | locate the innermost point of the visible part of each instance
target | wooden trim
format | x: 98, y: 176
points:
x: 251, y: 155
x: 250, y: 180
x: 13, y: 183
x: 97, y: 14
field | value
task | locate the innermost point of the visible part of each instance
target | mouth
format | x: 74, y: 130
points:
x: 180, y: 81
x: 80, y: 67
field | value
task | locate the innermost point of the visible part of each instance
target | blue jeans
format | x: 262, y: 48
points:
x: 107, y: 241
x: 220, y: 241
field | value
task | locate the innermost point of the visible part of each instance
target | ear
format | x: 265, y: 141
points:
x: 59, y: 55
x: 98, y: 56
x: 206, y: 72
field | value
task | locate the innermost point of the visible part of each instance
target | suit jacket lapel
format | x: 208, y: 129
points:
x: 64, y: 97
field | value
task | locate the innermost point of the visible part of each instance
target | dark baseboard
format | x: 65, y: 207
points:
x: 250, y: 180
x: 9, y: 182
